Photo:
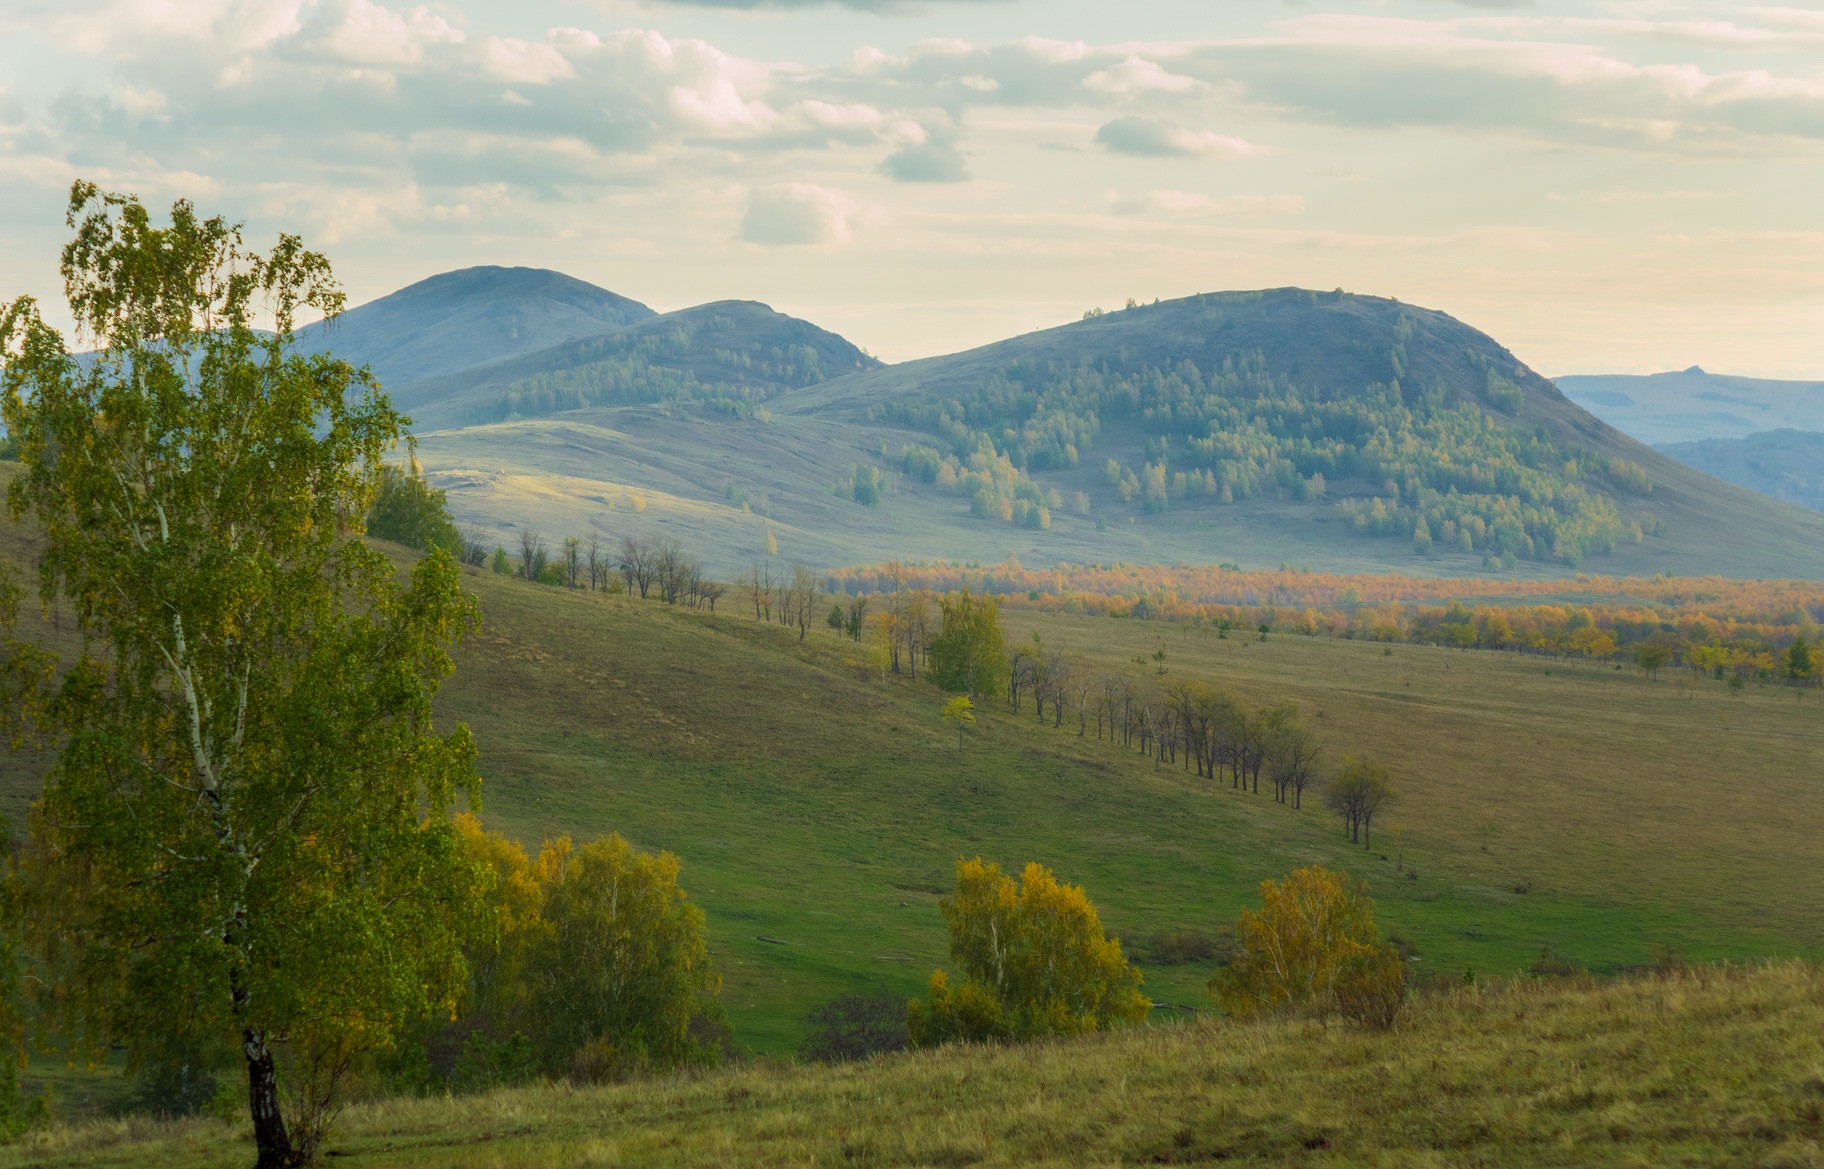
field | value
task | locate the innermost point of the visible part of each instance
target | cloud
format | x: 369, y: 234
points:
x: 926, y: 163
x: 1187, y: 204
x: 1138, y: 75
x: 1387, y: 72
x: 795, y: 213
x: 359, y: 32
x: 1149, y: 138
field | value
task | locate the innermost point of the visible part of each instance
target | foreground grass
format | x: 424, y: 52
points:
x: 1710, y: 1066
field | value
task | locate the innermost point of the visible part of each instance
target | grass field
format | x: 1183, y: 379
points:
x: 818, y: 811
x: 1703, y: 1067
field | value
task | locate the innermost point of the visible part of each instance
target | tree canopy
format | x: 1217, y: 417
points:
x: 970, y: 652
x: 1035, y: 961
x: 245, y: 837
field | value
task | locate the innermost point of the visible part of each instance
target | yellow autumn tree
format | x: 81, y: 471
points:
x: 1035, y: 961
x: 591, y: 960
x: 961, y: 711
x: 1313, y: 947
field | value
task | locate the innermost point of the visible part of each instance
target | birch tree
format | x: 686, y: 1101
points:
x: 249, y: 792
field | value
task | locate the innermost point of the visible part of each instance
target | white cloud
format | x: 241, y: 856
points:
x: 1138, y: 75
x: 1145, y: 136
x: 360, y: 32
x: 517, y: 62
x: 795, y: 213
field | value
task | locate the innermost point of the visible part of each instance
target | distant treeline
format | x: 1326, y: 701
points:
x: 1748, y: 629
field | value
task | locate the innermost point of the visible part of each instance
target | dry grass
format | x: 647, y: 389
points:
x: 1710, y: 1066
x: 1579, y: 779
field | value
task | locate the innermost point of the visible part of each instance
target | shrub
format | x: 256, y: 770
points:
x: 409, y: 511
x: 857, y: 1026
x: 620, y: 957
x: 1035, y: 962
x: 1182, y: 947
x: 590, y: 961
x: 1313, y: 947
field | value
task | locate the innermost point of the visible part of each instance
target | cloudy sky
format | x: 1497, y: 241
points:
x: 1604, y: 185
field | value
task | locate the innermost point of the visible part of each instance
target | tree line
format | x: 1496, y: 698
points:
x: 1710, y: 626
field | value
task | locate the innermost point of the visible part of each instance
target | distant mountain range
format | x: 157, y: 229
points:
x: 1765, y: 435
x: 1331, y: 431
x: 1786, y: 464
x: 1693, y: 405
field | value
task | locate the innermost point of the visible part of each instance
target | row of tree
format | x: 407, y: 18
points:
x: 1746, y: 627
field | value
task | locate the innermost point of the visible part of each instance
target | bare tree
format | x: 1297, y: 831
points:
x: 531, y: 554
x: 636, y: 565
x: 595, y: 562
x: 474, y: 551
x: 670, y: 568
x: 758, y: 585
x: 804, y: 599
x: 573, y: 562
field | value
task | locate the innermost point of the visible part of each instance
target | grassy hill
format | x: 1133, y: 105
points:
x: 1706, y: 1067
x: 1785, y: 464
x: 818, y: 809
x: 469, y: 317
x: 731, y: 355
x: 1255, y: 428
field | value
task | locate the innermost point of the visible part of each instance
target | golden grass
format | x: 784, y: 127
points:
x: 1709, y: 1066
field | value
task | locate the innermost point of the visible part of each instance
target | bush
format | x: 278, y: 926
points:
x: 1183, y: 947
x: 1035, y: 962
x: 1313, y: 947
x: 485, y: 1062
x: 857, y: 1026
x: 409, y: 511
x: 590, y: 961
x: 620, y: 958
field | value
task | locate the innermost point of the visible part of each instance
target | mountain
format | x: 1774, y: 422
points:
x: 1786, y: 464
x: 1692, y: 405
x: 469, y: 317
x: 1332, y: 431
x: 735, y: 353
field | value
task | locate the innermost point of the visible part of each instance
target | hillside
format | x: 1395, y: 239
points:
x: 818, y: 807
x: 732, y: 355
x: 1785, y: 464
x: 1692, y: 405
x: 1703, y: 1067
x: 1255, y: 428
x: 469, y: 317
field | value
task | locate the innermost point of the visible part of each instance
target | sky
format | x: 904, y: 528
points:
x: 1605, y: 186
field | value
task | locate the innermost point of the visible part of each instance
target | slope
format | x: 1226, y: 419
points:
x: 1702, y: 1067
x: 1785, y: 464
x: 1260, y: 427
x: 1691, y: 405
x: 818, y: 807
x: 733, y: 353
x: 468, y: 317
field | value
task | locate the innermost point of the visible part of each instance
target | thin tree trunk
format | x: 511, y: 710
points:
x: 269, y: 1135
